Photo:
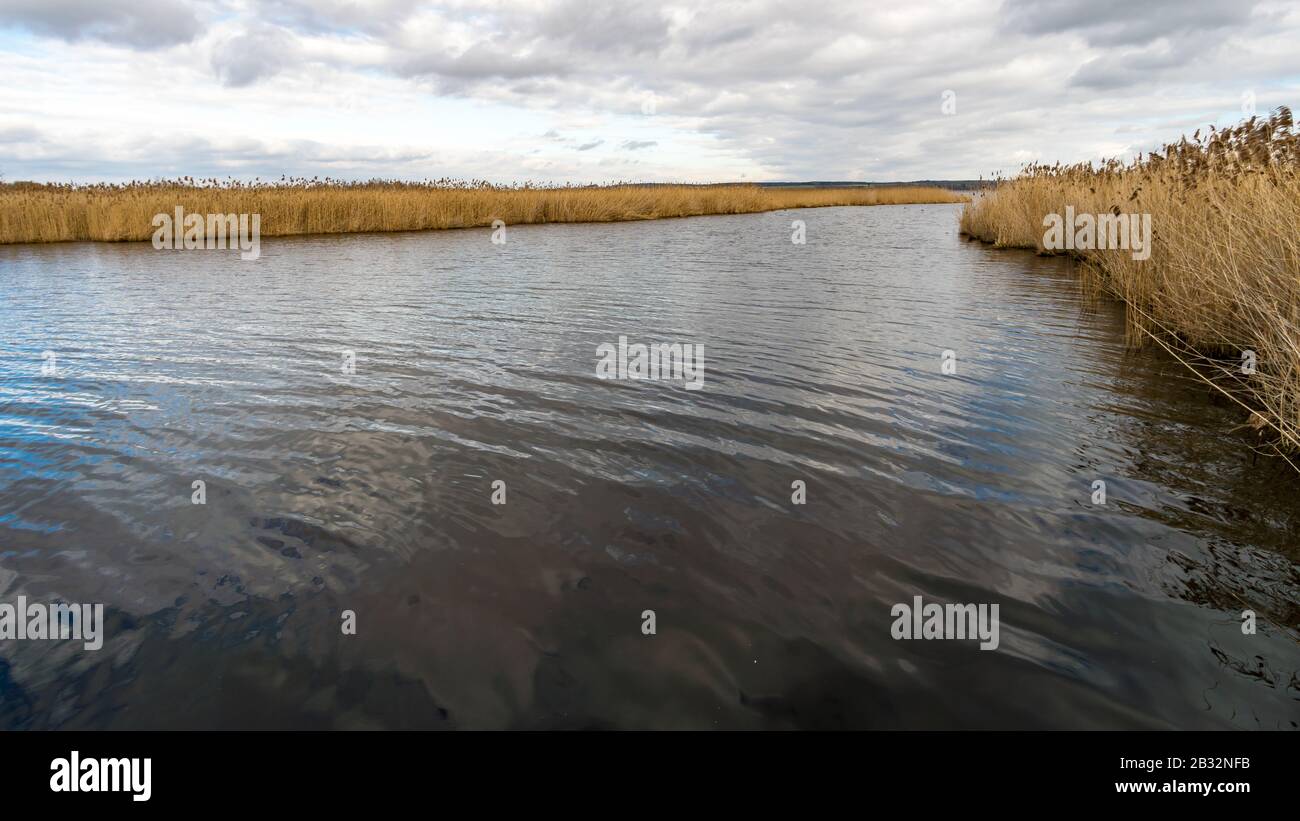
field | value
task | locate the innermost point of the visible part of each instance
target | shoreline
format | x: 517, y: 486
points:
x: 1216, y: 291
x: 38, y: 214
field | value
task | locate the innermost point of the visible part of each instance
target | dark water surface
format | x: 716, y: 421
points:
x: 475, y: 363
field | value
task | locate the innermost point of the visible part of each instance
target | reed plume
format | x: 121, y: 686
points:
x: 1223, y: 278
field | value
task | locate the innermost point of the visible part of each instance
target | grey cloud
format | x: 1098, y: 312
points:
x: 603, y: 27
x: 703, y: 39
x: 141, y: 24
x: 172, y: 156
x: 250, y: 56
x: 338, y: 16
x: 480, y: 62
x: 854, y: 89
x: 19, y: 134
x: 1117, y: 72
x: 1124, y: 22
x: 843, y: 91
x: 1136, y: 69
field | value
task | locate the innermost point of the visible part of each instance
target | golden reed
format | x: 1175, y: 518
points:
x: 1221, y: 287
x: 32, y: 212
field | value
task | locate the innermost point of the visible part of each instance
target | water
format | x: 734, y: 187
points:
x: 475, y: 362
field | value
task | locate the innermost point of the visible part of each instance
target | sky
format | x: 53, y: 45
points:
x: 576, y: 91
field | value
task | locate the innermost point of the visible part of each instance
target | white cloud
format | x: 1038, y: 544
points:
x: 835, y: 91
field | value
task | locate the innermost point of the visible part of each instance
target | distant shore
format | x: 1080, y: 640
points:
x: 34, y: 212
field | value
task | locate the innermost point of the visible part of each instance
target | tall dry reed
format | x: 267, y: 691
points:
x: 1223, y: 277
x: 54, y: 213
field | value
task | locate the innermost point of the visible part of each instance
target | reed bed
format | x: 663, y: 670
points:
x: 32, y: 212
x: 1223, y: 277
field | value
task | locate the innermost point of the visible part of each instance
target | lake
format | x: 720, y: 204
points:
x: 351, y: 406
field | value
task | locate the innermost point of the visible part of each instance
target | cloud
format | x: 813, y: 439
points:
x: 845, y: 90
x: 482, y: 61
x: 338, y: 16
x: 141, y: 24
x: 598, y: 27
x: 252, y: 55
x: 98, y: 155
x: 18, y: 134
x: 1110, y: 23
